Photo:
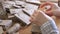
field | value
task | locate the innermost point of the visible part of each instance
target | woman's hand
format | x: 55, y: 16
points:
x: 39, y: 17
x: 55, y: 10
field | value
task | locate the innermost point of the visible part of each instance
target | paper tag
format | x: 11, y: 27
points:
x: 6, y: 23
x: 8, y: 4
x: 22, y: 16
x: 34, y: 1
x: 19, y: 2
x: 1, y: 30
x: 14, y: 11
x: 30, y: 8
x: 14, y: 28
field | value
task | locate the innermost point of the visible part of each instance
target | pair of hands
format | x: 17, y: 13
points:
x: 39, y: 17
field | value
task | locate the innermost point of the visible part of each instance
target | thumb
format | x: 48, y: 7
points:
x: 55, y: 6
x: 48, y: 17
